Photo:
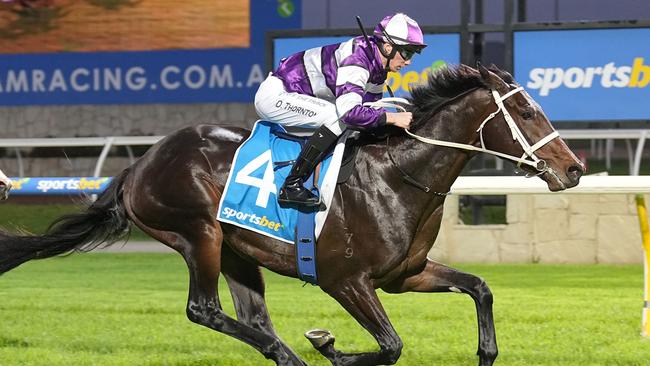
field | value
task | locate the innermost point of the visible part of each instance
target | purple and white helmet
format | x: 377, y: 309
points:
x: 400, y: 30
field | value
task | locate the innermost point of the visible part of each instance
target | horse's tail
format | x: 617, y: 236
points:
x: 104, y: 221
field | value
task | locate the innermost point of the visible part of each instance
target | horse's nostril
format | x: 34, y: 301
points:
x: 575, y: 172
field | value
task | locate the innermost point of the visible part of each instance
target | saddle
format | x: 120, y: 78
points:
x: 349, y: 157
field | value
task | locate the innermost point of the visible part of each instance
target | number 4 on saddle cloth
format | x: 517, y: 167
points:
x: 258, y: 171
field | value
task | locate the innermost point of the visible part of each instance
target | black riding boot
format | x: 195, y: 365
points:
x: 293, y: 192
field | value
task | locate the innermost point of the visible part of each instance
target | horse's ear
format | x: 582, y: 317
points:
x: 485, y: 73
x: 491, y: 80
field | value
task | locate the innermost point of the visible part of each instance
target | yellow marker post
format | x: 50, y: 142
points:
x: 645, y: 237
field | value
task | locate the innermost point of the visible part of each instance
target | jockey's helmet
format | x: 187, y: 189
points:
x: 400, y: 30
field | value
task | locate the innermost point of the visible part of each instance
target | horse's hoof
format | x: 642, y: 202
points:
x: 320, y: 337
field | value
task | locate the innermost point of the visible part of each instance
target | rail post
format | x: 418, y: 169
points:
x: 645, y: 238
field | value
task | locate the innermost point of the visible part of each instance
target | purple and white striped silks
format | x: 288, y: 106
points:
x: 346, y: 74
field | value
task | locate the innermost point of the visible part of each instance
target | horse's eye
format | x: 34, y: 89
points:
x: 527, y: 115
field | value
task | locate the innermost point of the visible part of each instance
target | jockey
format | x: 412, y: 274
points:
x: 325, y: 87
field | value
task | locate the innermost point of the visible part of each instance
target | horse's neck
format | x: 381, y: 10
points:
x: 379, y: 166
x: 435, y: 166
x: 455, y: 122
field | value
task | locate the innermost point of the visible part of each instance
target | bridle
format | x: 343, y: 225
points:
x: 528, y: 158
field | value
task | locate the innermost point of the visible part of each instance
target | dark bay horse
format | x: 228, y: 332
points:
x: 379, y: 229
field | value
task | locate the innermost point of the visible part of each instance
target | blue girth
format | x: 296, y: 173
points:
x: 305, y: 241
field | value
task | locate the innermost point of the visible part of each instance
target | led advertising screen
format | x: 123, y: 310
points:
x: 59, y: 52
x: 442, y: 49
x: 586, y: 75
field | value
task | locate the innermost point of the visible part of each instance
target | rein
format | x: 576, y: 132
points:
x: 528, y: 158
x: 398, y: 103
x: 407, y: 178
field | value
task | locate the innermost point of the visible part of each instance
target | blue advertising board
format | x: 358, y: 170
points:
x: 586, y: 75
x: 442, y: 49
x: 59, y: 186
x: 147, y: 76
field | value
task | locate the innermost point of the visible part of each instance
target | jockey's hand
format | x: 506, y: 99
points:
x: 399, y: 119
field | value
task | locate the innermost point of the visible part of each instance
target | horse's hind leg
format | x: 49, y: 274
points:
x: 247, y: 289
x: 201, y: 249
x: 359, y: 298
x: 203, y: 257
x: 437, y: 277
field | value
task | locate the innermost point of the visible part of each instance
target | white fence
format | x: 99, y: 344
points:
x: 635, y: 154
x: 105, y: 142
x: 609, y: 135
x: 590, y: 184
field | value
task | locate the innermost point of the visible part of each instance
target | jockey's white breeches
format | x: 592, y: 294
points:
x: 274, y: 104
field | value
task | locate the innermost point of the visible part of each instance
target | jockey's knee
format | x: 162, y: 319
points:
x: 337, y: 127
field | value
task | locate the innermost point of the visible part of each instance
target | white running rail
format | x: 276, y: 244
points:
x: 634, y: 157
x: 589, y: 184
x: 106, y: 142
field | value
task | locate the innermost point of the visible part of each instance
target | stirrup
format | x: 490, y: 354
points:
x: 288, y: 201
x: 306, y: 204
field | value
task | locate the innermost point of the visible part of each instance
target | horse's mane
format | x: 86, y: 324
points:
x: 443, y: 85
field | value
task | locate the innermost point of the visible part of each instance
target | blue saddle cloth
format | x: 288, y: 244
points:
x: 250, y: 196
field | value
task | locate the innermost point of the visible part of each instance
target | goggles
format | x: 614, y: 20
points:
x: 407, y: 53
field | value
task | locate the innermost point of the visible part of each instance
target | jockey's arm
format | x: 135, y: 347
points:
x: 350, y: 89
x: 351, y: 85
x: 361, y: 117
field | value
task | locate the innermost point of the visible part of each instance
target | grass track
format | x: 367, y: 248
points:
x: 129, y: 309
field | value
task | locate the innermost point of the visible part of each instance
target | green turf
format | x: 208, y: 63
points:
x: 129, y: 309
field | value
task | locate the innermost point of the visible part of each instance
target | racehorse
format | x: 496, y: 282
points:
x: 382, y: 222
x: 5, y: 186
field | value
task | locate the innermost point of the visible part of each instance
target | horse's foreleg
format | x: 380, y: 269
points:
x: 359, y: 298
x: 437, y: 277
x: 247, y: 289
x: 203, y: 257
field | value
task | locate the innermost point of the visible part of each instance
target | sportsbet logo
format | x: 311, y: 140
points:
x: 608, y: 76
x: 252, y: 218
x: 403, y: 82
x: 83, y: 184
